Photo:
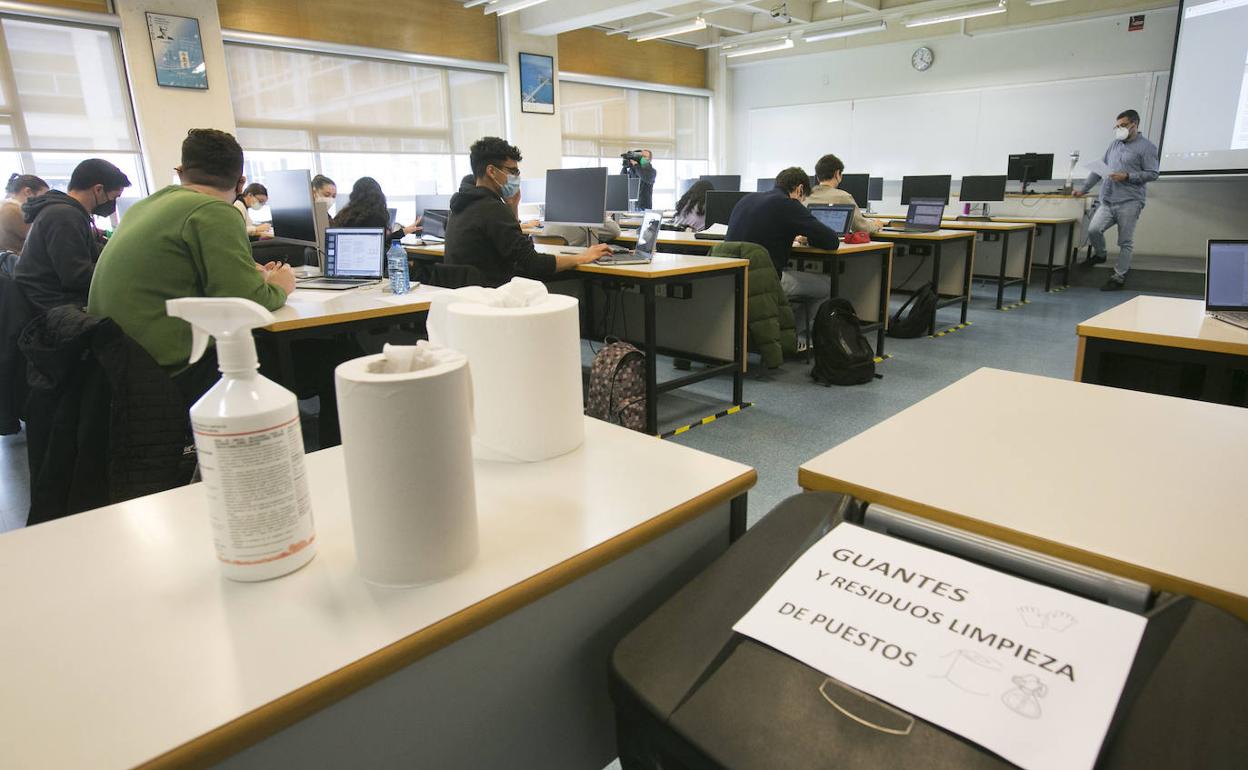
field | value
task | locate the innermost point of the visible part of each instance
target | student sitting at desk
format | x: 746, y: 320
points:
x: 367, y: 208
x: 829, y: 170
x: 324, y: 189
x: 691, y: 208
x: 252, y: 198
x: 484, y: 231
x: 184, y: 241
x: 772, y: 220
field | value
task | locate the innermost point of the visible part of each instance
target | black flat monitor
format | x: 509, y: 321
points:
x: 576, y: 196
x: 928, y: 187
x: 766, y: 184
x: 426, y: 202
x: 856, y: 185
x: 1027, y: 167
x: 982, y: 189
x: 434, y: 223
x: 290, y: 203
x: 875, y: 188
x: 617, y: 193
x: 719, y: 205
x: 724, y: 182
x: 814, y: 182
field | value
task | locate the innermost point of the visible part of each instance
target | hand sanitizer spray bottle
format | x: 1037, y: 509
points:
x: 250, y: 447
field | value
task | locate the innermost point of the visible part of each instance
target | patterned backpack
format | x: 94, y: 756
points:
x: 617, y: 386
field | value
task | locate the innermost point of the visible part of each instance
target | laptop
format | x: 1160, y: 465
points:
x: 354, y: 256
x: 434, y: 224
x: 924, y: 216
x: 647, y: 239
x: 1226, y: 282
x: 838, y: 217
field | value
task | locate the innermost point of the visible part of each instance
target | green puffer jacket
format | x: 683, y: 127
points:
x: 773, y: 331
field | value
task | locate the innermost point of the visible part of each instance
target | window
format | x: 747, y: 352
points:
x: 407, y: 126
x: 63, y: 99
x: 601, y: 122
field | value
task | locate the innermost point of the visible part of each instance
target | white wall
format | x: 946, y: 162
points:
x: 539, y: 137
x: 164, y: 115
x: 1182, y: 212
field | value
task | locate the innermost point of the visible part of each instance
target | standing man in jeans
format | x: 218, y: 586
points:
x: 1132, y: 163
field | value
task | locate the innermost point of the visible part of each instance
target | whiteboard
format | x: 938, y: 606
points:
x: 951, y: 132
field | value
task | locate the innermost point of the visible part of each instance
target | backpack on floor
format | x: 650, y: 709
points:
x: 914, y: 317
x: 843, y: 356
x: 617, y: 386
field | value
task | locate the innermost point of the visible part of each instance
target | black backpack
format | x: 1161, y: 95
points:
x: 842, y: 354
x: 907, y: 325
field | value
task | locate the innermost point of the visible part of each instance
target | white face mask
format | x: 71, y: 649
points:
x: 1121, y: 133
x: 256, y: 206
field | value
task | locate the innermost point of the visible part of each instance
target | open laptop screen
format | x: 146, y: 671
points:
x: 648, y: 235
x: 354, y: 252
x: 1226, y: 276
x: 926, y: 212
x: 835, y: 218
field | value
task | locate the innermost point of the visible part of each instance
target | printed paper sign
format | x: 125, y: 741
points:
x: 1028, y: 672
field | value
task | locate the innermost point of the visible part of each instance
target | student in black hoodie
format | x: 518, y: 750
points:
x: 483, y: 230
x: 63, y: 245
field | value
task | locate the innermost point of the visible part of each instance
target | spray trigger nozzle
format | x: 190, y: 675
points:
x: 229, y: 320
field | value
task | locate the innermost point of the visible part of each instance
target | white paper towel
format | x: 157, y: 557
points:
x: 523, y: 344
x: 406, y: 418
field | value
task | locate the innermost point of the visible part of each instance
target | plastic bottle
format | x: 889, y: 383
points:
x: 250, y: 447
x: 396, y: 265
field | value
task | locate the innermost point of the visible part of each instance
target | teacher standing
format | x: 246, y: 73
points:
x: 1132, y: 162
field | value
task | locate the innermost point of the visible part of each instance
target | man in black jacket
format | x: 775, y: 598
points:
x: 483, y: 230
x: 644, y: 170
x: 773, y: 219
x: 63, y: 245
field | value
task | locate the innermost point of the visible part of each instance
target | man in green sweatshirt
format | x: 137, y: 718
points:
x: 184, y: 241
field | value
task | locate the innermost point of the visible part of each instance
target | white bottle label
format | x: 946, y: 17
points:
x: 257, y: 492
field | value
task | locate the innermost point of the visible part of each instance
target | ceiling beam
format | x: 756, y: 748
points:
x: 555, y: 16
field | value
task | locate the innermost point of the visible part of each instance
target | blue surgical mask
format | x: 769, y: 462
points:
x: 511, y: 187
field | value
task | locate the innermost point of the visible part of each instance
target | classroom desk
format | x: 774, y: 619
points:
x: 863, y: 280
x: 708, y: 328
x: 1012, y: 266
x: 313, y: 313
x: 1056, y: 236
x: 1151, y: 487
x: 1166, y: 335
x: 121, y: 645
x: 953, y: 284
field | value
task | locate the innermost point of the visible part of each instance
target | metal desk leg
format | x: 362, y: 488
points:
x: 1048, y: 278
x: 880, y: 333
x: 736, y: 517
x: 1005, y: 252
x: 651, y: 351
x: 931, y: 326
x: 1031, y: 251
x: 968, y: 276
x: 738, y: 337
x: 1070, y: 252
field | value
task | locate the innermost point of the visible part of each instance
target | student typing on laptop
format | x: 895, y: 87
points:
x: 483, y: 229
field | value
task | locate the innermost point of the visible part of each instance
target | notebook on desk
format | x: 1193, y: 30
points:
x: 354, y: 256
x: 1226, y: 281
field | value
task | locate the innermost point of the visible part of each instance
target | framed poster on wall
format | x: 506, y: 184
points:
x: 178, y: 51
x: 537, y: 83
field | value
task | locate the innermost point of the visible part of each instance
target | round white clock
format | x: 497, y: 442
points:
x: 922, y: 59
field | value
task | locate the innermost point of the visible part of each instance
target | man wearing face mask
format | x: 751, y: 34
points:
x: 642, y: 168
x: 483, y: 230
x: 63, y: 244
x: 1132, y: 162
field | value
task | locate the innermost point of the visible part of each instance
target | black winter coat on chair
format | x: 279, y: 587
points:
x: 104, y: 422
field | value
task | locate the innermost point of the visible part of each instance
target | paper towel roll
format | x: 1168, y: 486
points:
x: 406, y: 418
x: 526, y: 367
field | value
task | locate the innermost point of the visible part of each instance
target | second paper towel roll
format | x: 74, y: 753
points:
x: 526, y: 372
x: 406, y: 418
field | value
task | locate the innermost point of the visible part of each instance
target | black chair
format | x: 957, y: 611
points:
x: 292, y: 253
x: 453, y: 276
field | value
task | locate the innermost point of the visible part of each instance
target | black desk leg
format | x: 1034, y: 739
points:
x: 1070, y: 252
x: 738, y: 337
x: 1031, y: 251
x: 736, y: 517
x: 968, y: 276
x: 652, y: 354
x: 1048, y: 279
x: 931, y: 326
x: 1005, y: 251
x: 884, y: 287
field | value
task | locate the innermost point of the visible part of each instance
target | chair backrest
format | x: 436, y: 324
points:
x: 551, y: 240
x: 454, y: 276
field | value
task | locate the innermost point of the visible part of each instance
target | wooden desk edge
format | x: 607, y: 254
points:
x: 235, y: 736
x: 1164, y: 340
x: 1235, y: 604
x: 623, y: 271
x: 337, y: 318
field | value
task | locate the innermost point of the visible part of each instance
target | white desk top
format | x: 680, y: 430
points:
x: 1150, y: 487
x: 311, y: 307
x: 1176, y: 323
x: 120, y: 641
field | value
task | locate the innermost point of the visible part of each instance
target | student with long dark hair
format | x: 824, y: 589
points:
x: 367, y: 208
x: 252, y: 198
x: 691, y: 208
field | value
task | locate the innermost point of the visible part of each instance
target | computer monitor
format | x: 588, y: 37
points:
x: 1028, y: 167
x: 394, y: 217
x: 766, y: 184
x: 1226, y: 276
x: 724, y: 182
x: 719, y: 205
x: 813, y: 183
x: 929, y: 186
x: 434, y: 223
x: 982, y: 188
x: 532, y: 190
x: 875, y: 188
x: 290, y: 203
x: 617, y: 192
x: 576, y: 196
x: 856, y: 185
x: 425, y: 202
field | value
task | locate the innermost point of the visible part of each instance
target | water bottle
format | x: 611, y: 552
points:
x: 396, y: 265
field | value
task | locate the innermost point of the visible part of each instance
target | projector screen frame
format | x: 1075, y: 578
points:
x: 1165, y: 116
